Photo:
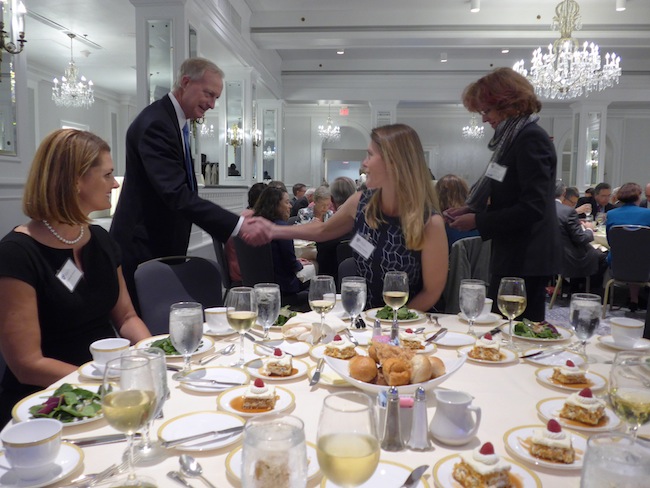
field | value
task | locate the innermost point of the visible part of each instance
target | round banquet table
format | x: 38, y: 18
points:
x: 507, y: 395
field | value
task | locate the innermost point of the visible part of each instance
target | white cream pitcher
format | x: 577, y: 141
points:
x: 453, y: 422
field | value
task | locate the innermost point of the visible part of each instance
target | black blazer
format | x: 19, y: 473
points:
x: 521, y: 218
x: 579, y: 258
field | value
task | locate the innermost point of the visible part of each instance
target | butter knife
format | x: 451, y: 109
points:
x: 415, y: 476
x: 319, y: 367
x: 98, y: 440
x: 196, y: 437
x: 437, y: 335
x: 543, y: 352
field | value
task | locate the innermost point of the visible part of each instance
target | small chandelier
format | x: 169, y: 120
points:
x: 329, y: 132
x: 473, y: 130
x: 206, y: 130
x: 566, y: 71
x: 235, y: 136
x: 269, y: 153
x: 73, y: 93
x: 256, y: 137
x: 17, y: 26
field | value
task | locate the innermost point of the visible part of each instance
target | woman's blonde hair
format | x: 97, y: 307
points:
x: 51, y: 191
x: 401, y: 150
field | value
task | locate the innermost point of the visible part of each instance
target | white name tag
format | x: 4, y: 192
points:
x: 496, y: 171
x: 362, y: 246
x: 69, y: 275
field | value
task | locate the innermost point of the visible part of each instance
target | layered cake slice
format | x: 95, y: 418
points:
x: 410, y: 340
x: 583, y: 407
x: 482, y: 468
x: 486, y: 349
x: 340, y: 348
x: 552, y: 444
x: 259, y: 396
x: 279, y: 364
x: 568, y: 374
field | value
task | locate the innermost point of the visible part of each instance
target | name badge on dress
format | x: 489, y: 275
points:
x: 69, y: 275
x: 496, y: 172
x: 362, y: 246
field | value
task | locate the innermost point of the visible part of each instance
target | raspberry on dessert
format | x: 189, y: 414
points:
x: 554, y: 426
x: 259, y: 383
x: 409, y: 331
x: 570, y: 363
x: 487, y: 448
x: 337, y: 337
x: 488, y: 336
x: 277, y: 351
x: 586, y: 393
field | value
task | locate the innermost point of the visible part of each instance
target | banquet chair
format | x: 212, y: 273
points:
x: 222, y: 263
x: 558, y: 287
x: 630, y: 259
x: 163, y: 281
x: 348, y: 267
x: 469, y: 259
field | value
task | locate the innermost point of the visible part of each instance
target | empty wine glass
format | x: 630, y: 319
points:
x: 322, y: 296
x: 584, y: 315
x: 268, y: 305
x: 629, y: 388
x: 241, y: 312
x: 472, y: 300
x: 511, y: 299
x: 354, y: 293
x: 396, y: 294
x: 185, y: 331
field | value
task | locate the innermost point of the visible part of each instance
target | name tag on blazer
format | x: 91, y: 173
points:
x: 496, y: 172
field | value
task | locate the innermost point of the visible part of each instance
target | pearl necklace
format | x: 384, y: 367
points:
x: 62, y: 239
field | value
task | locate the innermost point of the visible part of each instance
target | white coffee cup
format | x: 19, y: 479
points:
x: 216, y: 319
x: 31, y: 447
x: 487, y: 308
x: 626, y: 331
x: 104, y: 350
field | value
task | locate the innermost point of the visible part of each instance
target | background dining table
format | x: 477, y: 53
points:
x: 507, y: 394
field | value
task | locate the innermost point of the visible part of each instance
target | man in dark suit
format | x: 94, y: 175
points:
x: 159, y: 201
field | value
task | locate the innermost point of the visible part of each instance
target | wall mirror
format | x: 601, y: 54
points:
x: 7, y: 108
x: 593, y: 150
x: 159, y: 58
x: 193, y: 42
x: 234, y: 128
x: 269, y: 138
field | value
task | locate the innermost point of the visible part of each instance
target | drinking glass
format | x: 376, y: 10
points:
x: 185, y: 331
x: 511, y: 299
x: 354, y: 293
x: 584, y: 314
x: 615, y: 459
x: 396, y: 294
x: 274, y: 448
x: 588, y: 216
x: 346, y: 444
x: 322, y: 296
x: 128, y: 402
x: 472, y: 300
x: 241, y: 312
x: 268, y: 305
x: 629, y: 388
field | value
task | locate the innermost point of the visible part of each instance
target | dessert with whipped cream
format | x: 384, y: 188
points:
x: 482, y: 468
x: 409, y: 339
x: 583, y: 407
x: 486, y: 349
x: 568, y: 374
x: 340, y: 348
x: 259, y: 396
x: 278, y: 364
x: 552, y: 444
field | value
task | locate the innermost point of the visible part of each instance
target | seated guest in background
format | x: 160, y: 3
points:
x: 298, y: 190
x: 452, y: 192
x: 629, y: 214
x: 587, y: 199
x: 602, y: 196
x: 645, y: 203
x: 61, y: 279
x: 277, y: 184
x: 319, y: 208
x: 303, y: 202
x: 571, y: 198
x: 614, y: 198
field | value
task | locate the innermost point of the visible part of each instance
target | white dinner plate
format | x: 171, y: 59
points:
x: 295, y: 348
x: 550, y: 409
x: 594, y: 380
x: 225, y: 333
x: 372, y: 315
x: 507, y: 356
x: 328, y: 376
x: 640, y: 345
x: 487, y: 319
x: 255, y: 369
x: 219, y: 373
x: 520, y: 476
x: 342, y: 368
x: 90, y: 371
x: 205, y: 345
x: 70, y: 458
x: 20, y: 412
x: 234, y: 460
x: 387, y: 474
x: 285, y: 400
x: 317, y: 352
x: 198, y: 422
x: 455, y: 339
x: 556, y: 359
x: 565, y: 334
x: 363, y: 336
x: 517, y: 442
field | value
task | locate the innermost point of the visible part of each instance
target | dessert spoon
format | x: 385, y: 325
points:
x: 191, y: 468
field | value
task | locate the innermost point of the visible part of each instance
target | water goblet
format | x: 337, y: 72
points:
x: 396, y: 294
x: 615, y: 459
x: 241, y: 312
x: 629, y: 388
x: 472, y: 300
x: 511, y: 299
x: 185, y: 331
x: 584, y: 315
x: 268, y: 305
x: 354, y: 292
x: 322, y: 296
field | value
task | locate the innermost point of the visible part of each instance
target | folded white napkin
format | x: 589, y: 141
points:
x: 306, y: 327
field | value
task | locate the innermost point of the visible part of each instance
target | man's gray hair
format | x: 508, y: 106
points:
x: 560, y: 188
x: 195, y: 68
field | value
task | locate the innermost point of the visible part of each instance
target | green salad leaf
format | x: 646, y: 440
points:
x: 403, y: 313
x: 68, y: 404
x: 536, y: 330
x: 168, y: 348
x: 284, y: 316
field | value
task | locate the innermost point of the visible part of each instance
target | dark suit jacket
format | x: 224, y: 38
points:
x: 157, y: 207
x: 579, y: 258
x: 521, y: 218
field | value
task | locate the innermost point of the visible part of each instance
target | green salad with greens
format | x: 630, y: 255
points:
x: 168, y: 348
x: 284, y: 315
x: 536, y: 330
x: 403, y: 313
x: 68, y: 404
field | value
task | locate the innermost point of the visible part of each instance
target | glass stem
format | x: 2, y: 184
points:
x: 129, y: 448
x: 471, y: 328
x: 241, y: 349
x: 394, y: 329
x: 187, y: 358
x: 146, y: 436
x: 511, y: 341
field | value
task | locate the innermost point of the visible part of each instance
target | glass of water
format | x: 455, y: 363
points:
x: 354, y: 294
x: 615, y: 459
x: 584, y: 314
x: 268, y: 305
x: 472, y: 300
x: 185, y: 331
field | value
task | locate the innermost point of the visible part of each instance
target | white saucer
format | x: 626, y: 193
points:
x: 550, y: 409
x: 69, y: 459
x: 640, y: 345
x: 234, y: 460
x: 224, y: 333
x: 387, y: 473
x: 92, y: 371
x: 198, y: 422
x: 487, y: 319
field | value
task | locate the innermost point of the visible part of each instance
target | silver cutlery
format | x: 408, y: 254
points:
x: 210, y: 382
x: 229, y: 349
x: 176, y: 476
x: 191, y: 468
x: 96, y: 440
x: 316, y: 376
x: 433, y: 318
x: 414, y: 476
x: 196, y: 437
x: 353, y: 339
x: 544, y: 352
x: 437, y: 335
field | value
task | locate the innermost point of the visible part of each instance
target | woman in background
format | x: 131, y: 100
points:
x: 452, y: 192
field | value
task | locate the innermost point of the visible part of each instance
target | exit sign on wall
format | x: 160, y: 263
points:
x: 344, y: 111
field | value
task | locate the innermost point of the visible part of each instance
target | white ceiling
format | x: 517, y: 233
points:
x: 380, y: 37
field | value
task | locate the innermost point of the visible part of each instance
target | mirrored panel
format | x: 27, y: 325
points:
x: 269, y: 138
x: 593, y: 149
x: 159, y: 58
x: 234, y: 129
x: 208, y: 135
x: 7, y: 108
x: 193, y: 42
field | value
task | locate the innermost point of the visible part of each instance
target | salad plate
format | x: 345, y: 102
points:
x: 520, y: 476
x: 594, y: 380
x: 564, y: 334
x: 550, y: 409
x: 216, y: 373
x: 234, y: 462
x: 70, y: 458
x: 507, y: 356
x: 198, y: 422
x: 256, y: 366
x: 372, y: 315
x: 517, y: 442
x: 205, y: 345
x: 20, y: 412
x: 284, y: 401
x: 387, y: 474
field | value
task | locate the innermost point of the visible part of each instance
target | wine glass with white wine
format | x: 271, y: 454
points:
x: 347, y: 446
x: 241, y: 312
x: 268, y: 305
x: 185, y: 331
x: 472, y: 300
x: 396, y: 294
x: 322, y: 296
x: 629, y: 388
x: 511, y: 299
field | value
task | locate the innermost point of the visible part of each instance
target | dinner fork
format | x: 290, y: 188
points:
x: 89, y: 480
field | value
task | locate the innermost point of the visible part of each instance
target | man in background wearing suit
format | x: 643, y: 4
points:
x: 159, y: 201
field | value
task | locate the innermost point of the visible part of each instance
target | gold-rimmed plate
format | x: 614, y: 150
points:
x: 594, y: 380
x: 550, y: 409
x: 520, y: 476
x: 518, y: 439
x: 388, y: 473
x: 198, y: 422
x: 20, y: 412
x: 227, y: 401
x: 69, y: 459
x: 255, y: 368
x: 206, y: 344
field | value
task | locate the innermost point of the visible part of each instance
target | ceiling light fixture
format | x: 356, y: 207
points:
x: 340, y: 51
x: 620, y: 5
x: 329, y: 132
x: 443, y: 57
x: 566, y: 71
x: 73, y: 93
x: 473, y: 130
x: 475, y: 6
x: 17, y: 23
x: 505, y: 51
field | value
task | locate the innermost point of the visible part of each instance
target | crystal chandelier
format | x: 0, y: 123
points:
x: 566, y: 71
x: 473, y: 130
x: 73, y: 93
x: 235, y: 136
x: 269, y: 153
x: 329, y: 132
x: 207, y: 130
